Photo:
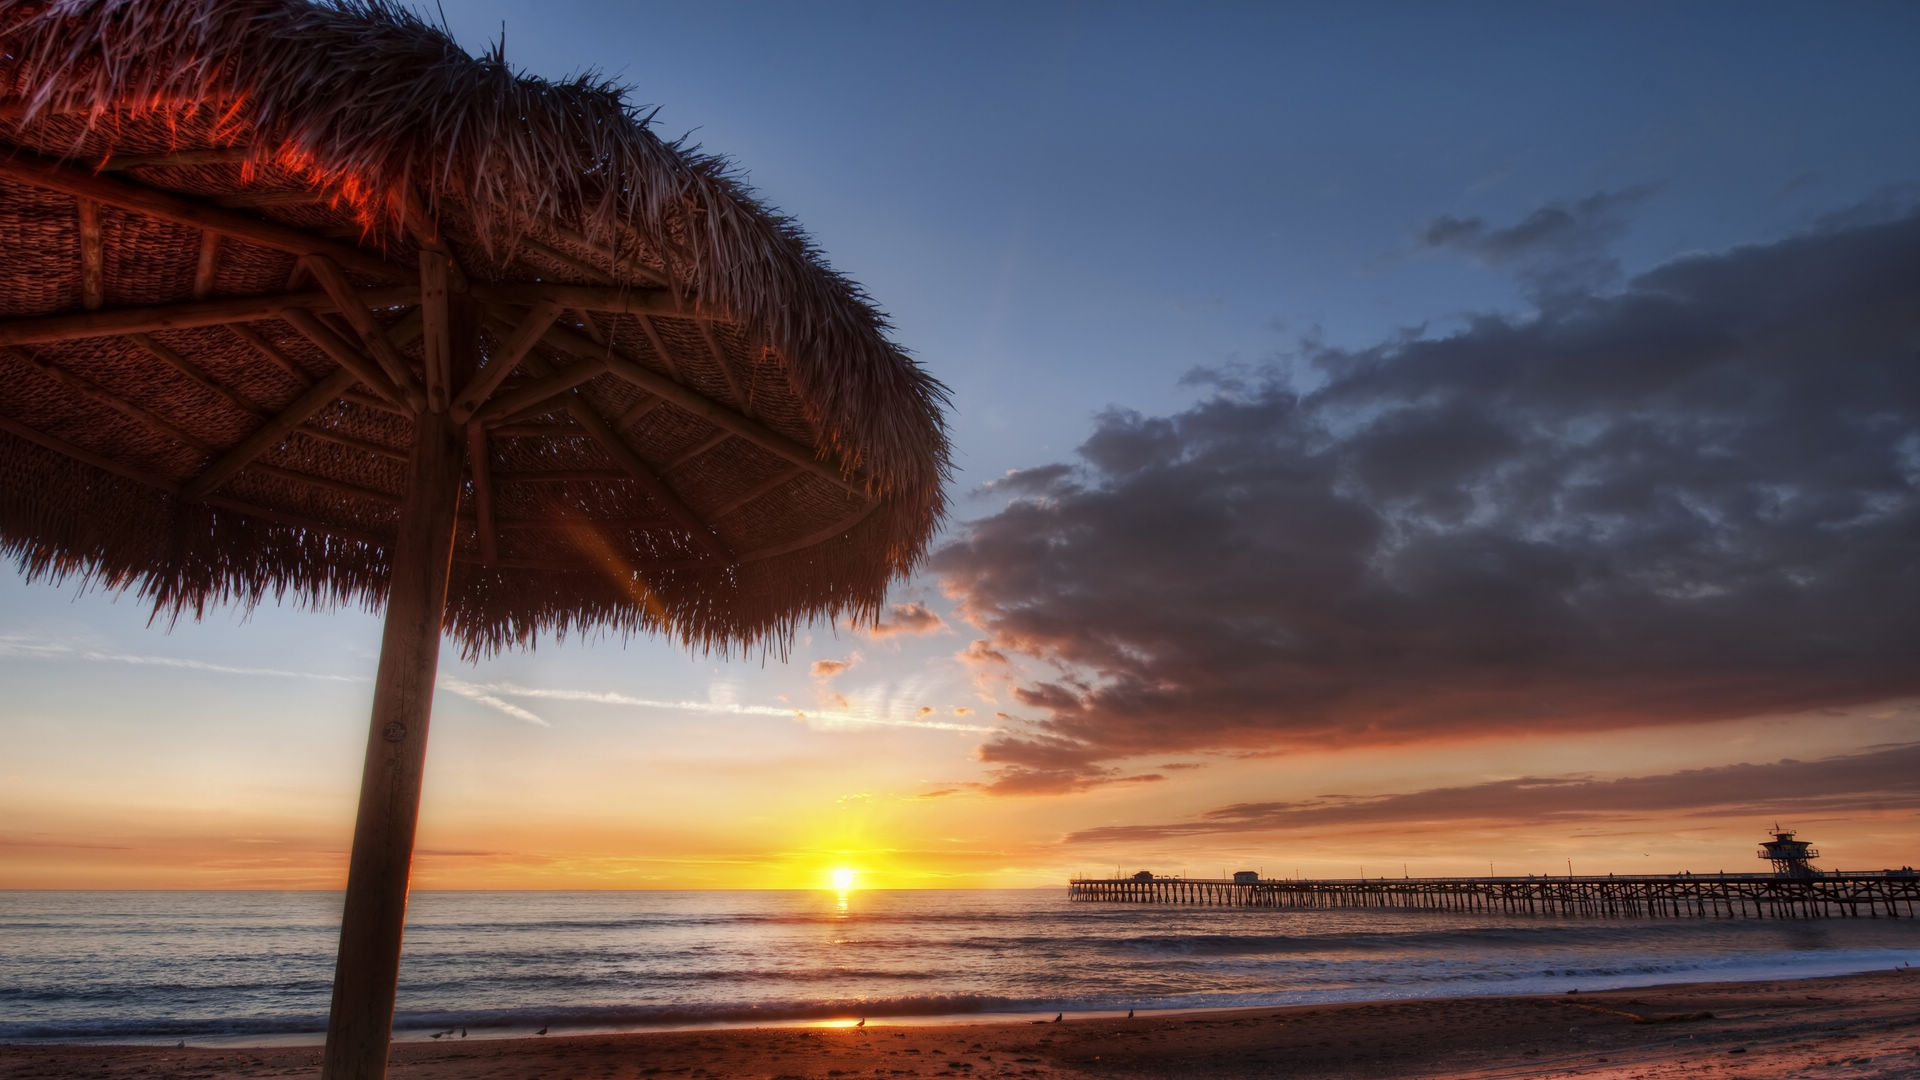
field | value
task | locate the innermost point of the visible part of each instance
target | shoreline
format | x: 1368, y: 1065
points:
x: 417, y: 1033
x: 1863, y: 1026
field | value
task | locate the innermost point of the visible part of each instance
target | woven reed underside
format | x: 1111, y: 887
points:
x: 581, y: 543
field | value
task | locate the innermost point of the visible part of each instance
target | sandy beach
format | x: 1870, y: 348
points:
x: 1850, y: 1027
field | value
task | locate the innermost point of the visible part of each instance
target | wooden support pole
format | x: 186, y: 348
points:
x: 436, y: 272
x: 93, y: 263
x: 367, y: 970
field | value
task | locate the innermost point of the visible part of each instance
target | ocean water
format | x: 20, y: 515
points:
x: 255, y: 967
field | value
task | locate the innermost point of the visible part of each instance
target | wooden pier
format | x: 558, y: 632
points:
x: 1848, y: 894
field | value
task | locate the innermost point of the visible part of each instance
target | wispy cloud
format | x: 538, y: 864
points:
x: 20, y: 646
x: 479, y: 695
x: 494, y: 695
x: 712, y: 708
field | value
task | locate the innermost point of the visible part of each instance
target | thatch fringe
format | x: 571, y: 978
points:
x: 100, y: 529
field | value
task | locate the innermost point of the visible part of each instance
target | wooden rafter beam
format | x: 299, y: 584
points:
x: 298, y: 196
x: 764, y: 487
x: 559, y: 476
x: 609, y: 298
x: 659, y: 346
x: 541, y: 390
x: 94, y: 392
x: 353, y: 308
x: 75, y: 326
x: 481, y: 470
x: 811, y: 539
x: 270, y: 434
x: 193, y: 374
x: 536, y: 431
x: 207, y: 265
x: 589, y: 325
x: 565, y: 261
x: 371, y: 401
x: 85, y: 456
x: 93, y: 261
x: 269, y: 350
x: 656, y: 488
x: 726, y: 368
x: 341, y: 352
x: 638, y: 411
x: 179, y: 159
x: 365, y: 446
x: 52, y: 175
x: 697, y: 449
x: 327, y: 483
x: 520, y: 340
x: 697, y: 404
x: 626, y: 264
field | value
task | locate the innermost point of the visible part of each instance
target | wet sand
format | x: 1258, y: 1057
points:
x: 1851, y: 1027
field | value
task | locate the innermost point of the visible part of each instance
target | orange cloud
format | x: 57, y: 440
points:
x: 909, y: 618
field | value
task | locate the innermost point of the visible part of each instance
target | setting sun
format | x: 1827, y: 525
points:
x: 842, y: 879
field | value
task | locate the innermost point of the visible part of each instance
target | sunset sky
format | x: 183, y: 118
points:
x: 1389, y: 436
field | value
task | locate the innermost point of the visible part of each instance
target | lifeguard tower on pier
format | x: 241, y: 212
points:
x: 1790, y: 858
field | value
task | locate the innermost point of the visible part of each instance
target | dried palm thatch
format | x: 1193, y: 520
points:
x: 232, y: 231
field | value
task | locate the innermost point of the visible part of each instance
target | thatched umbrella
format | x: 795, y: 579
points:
x: 305, y: 301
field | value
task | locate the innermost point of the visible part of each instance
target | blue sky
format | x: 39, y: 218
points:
x: 1066, y: 208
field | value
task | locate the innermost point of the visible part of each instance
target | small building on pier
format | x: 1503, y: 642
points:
x: 1790, y: 858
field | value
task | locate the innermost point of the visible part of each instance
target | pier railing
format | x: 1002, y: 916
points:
x: 1856, y: 894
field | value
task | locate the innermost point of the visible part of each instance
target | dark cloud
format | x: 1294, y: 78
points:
x: 909, y: 618
x: 1882, y: 779
x: 1557, y: 250
x: 1696, y: 498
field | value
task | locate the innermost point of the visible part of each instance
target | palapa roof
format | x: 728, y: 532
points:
x: 213, y: 214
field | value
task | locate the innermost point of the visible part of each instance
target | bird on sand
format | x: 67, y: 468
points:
x: 862, y: 1023
x: 181, y: 1045
x: 1057, y: 1017
x: 1129, y: 1014
x: 463, y: 1033
x: 437, y: 1034
x: 542, y: 1031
